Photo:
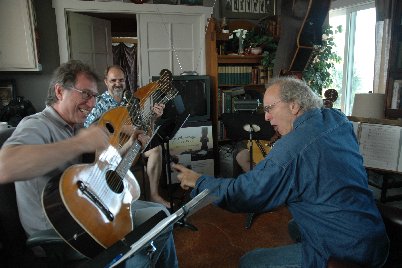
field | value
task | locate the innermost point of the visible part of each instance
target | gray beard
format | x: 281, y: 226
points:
x: 118, y: 93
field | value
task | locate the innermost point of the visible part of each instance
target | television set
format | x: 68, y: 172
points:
x: 194, y: 98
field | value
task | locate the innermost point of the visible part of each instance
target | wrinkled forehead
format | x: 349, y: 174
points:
x: 272, y: 93
x: 86, y: 81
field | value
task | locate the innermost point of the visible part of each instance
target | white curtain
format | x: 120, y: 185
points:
x: 382, y: 45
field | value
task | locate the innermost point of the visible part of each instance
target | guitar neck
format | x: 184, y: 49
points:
x: 263, y: 152
x: 128, y: 159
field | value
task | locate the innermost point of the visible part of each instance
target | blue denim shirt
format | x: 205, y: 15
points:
x: 317, y: 171
x: 104, y: 103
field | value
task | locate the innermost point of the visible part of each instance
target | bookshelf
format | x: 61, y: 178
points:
x: 217, y: 61
x: 239, y: 68
x: 394, y: 82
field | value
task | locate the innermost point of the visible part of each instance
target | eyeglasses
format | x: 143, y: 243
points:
x: 86, y: 94
x: 268, y: 108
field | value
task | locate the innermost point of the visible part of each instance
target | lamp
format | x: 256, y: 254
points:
x: 369, y: 105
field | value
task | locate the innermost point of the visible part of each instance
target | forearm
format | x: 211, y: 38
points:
x: 21, y: 162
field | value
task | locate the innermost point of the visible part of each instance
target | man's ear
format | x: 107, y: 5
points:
x: 295, y: 107
x: 105, y: 81
x: 58, y: 90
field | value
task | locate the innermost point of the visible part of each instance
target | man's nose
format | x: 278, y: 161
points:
x: 268, y: 117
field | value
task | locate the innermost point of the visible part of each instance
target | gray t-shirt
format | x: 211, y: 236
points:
x: 41, y: 128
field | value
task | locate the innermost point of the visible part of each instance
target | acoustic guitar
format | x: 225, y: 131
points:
x: 261, y: 148
x: 310, y: 15
x: 90, y: 204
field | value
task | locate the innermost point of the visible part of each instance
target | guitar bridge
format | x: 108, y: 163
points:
x: 92, y: 196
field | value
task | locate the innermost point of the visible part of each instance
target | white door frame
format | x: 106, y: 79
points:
x: 62, y: 7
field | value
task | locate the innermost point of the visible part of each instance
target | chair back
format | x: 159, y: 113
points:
x: 12, y: 235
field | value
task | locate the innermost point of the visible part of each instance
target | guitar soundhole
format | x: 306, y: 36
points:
x: 109, y: 127
x: 114, y: 181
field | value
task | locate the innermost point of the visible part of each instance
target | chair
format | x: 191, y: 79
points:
x: 16, y: 250
x: 392, y: 217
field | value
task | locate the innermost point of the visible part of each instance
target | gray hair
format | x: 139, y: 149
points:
x: 294, y: 89
x: 66, y: 76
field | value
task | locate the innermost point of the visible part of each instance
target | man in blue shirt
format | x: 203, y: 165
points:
x: 111, y: 98
x: 316, y: 170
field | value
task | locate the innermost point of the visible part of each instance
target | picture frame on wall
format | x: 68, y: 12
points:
x: 247, y: 9
x: 169, y: 2
x: 7, y: 91
x: 191, y: 2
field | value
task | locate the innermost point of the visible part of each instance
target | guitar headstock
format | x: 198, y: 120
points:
x: 165, y: 80
x: 166, y: 86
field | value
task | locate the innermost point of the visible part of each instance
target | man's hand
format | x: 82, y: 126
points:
x: 94, y: 138
x: 158, y: 109
x: 135, y: 134
x: 186, y: 176
x: 144, y: 139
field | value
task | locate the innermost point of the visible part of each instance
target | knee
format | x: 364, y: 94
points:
x: 248, y: 260
x: 294, y: 231
x: 242, y: 156
x: 155, y: 152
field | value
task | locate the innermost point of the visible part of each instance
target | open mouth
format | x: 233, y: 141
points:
x: 84, y: 111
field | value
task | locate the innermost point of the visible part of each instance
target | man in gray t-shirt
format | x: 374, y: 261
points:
x: 44, y: 144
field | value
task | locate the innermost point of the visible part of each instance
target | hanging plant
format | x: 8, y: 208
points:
x: 317, y: 72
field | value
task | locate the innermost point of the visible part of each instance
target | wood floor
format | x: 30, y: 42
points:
x: 222, y: 239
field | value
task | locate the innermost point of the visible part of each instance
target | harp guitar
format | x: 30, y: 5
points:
x: 90, y: 204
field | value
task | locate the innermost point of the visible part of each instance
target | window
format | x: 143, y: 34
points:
x: 356, y: 46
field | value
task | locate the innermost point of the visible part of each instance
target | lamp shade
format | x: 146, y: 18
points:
x: 369, y: 105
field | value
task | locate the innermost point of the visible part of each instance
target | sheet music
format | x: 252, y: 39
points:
x: 356, y: 128
x: 380, y: 146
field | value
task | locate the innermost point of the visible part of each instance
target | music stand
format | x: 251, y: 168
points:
x: 247, y: 126
x: 234, y: 123
x: 126, y: 247
x: 167, y: 129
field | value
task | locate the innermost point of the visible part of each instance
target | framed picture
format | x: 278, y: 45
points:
x: 191, y: 2
x: 247, y: 9
x: 169, y: 2
x: 7, y: 91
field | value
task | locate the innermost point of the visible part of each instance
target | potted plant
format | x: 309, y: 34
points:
x: 257, y: 42
x: 317, y: 71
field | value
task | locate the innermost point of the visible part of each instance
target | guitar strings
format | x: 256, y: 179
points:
x: 125, y: 119
x: 113, y: 177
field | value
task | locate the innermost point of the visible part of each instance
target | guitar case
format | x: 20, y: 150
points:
x: 16, y: 110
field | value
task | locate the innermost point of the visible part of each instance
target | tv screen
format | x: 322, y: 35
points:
x: 194, y: 98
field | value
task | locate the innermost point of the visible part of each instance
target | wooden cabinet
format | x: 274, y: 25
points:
x: 394, y: 83
x: 18, y: 48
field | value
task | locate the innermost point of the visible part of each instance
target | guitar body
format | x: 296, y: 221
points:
x: 79, y: 220
x: 114, y: 120
x: 90, y: 205
x: 260, y: 150
x: 145, y: 92
x: 310, y: 33
x: 301, y: 24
